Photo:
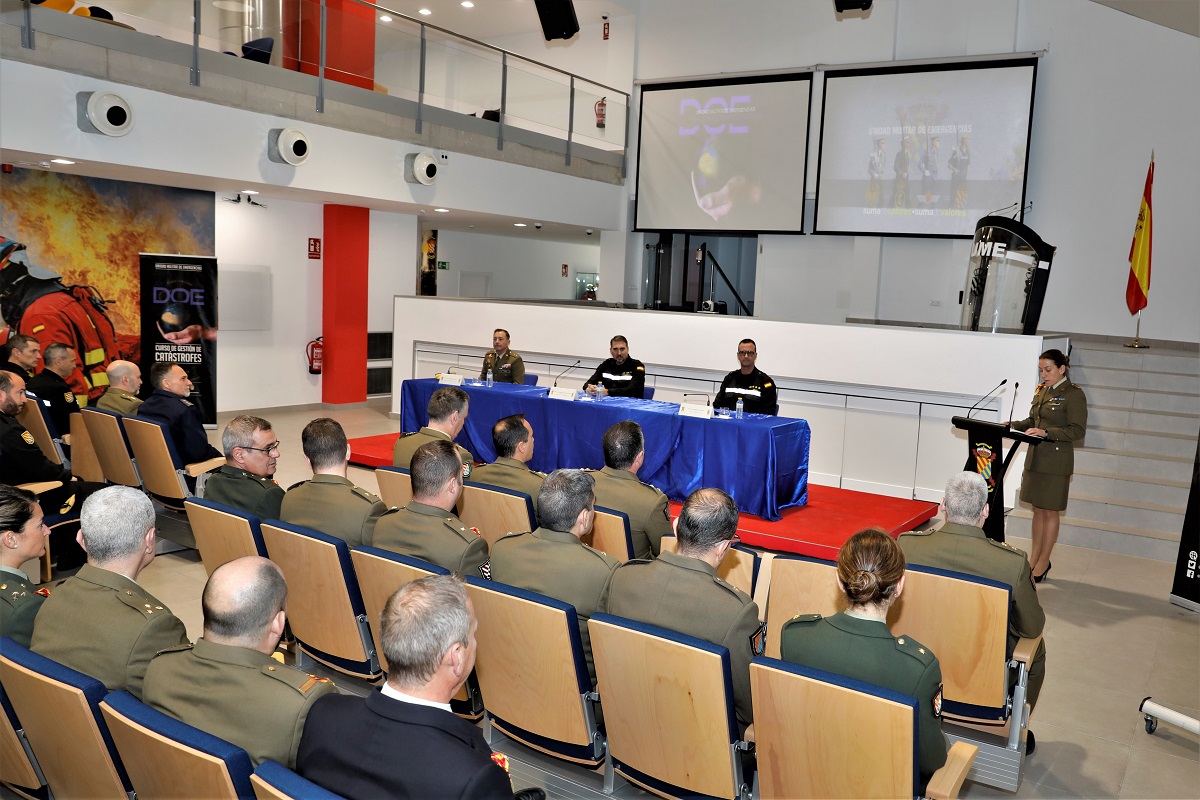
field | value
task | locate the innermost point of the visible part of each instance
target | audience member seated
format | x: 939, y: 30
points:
x: 427, y: 528
x: 169, y: 404
x: 22, y: 537
x: 447, y: 411
x: 124, y: 383
x: 22, y: 353
x: 513, y: 439
x: 50, y: 385
x: 618, y: 488
x: 857, y: 644
x: 751, y: 385
x: 227, y: 683
x: 329, y: 502
x: 100, y: 622
x: 681, y: 591
x: 247, y: 479
x: 961, y: 545
x: 505, y: 365
x: 552, y: 560
x: 620, y: 375
x: 402, y: 740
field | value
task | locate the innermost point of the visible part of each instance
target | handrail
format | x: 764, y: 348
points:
x: 704, y: 251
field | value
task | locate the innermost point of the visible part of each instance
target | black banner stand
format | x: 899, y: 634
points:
x: 985, y: 455
x: 1185, y: 590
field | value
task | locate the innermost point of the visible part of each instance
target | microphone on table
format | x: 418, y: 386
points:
x: 1013, y: 407
x: 985, y: 397
x: 707, y: 399
x: 450, y: 369
x: 568, y: 369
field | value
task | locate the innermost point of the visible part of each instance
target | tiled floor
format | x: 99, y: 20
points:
x: 1111, y: 638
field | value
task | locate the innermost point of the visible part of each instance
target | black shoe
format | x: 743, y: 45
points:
x: 1042, y: 577
x: 1030, y: 742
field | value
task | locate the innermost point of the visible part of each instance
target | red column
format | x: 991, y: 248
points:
x: 350, y: 45
x: 344, y: 304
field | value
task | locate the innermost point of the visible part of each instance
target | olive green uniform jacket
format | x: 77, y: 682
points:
x: 20, y: 601
x: 106, y: 626
x: 509, y: 473
x: 646, y: 506
x: 236, y: 487
x: 408, y: 443
x: 333, y: 505
x: 685, y: 595
x: 965, y: 548
x: 434, y: 535
x: 865, y: 650
x: 1061, y: 411
x: 119, y: 401
x: 241, y: 695
x: 509, y: 368
x: 557, y: 564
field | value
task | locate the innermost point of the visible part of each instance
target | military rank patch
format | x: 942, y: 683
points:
x: 27, y: 437
x: 312, y: 681
x: 937, y: 702
x: 639, y: 369
x: 43, y: 592
x: 758, y: 642
x: 466, y: 470
x: 475, y: 530
x: 485, y: 569
x: 767, y: 385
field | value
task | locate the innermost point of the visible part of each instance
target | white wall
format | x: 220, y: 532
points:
x: 393, y: 262
x: 520, y: 267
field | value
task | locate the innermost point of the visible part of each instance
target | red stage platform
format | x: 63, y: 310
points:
x: 818, y: 529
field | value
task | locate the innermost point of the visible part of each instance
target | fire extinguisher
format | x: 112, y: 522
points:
x: 600, y: 112
x: 316, y: 355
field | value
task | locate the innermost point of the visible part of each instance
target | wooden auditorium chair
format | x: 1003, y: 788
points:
x: 163, y: 472
x: 51, y: 520
x: 19, y: 768
x: 800, y: 585
x: 167, y: 758
x: 611, y: 534
x: 495, y: 511
x: 818, y: 734
x: 963, y: 619
x: 59, y: 710
x: 112, y: 447
x: 395, y: 486
x: 328, y: 618
x: 273, y: 781
x: 85, y: 463
x: 668, y: 710
x: 35, y: 416
x: 223, y: 533
x: 533, y: 673
x: 743, y: 568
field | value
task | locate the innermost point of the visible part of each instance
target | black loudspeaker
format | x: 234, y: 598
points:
x: 558, y: 18
x: 842, y: 6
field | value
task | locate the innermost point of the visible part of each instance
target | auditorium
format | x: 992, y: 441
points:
x: 705, y: 295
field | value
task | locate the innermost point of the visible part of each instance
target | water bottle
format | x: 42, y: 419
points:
x: 601, y: 391
x: 489, y: 379
x: 737, y: 410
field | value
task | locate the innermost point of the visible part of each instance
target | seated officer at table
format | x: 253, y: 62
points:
x: 50, y: 385
x: 169, y: 404
x: 621, y: 376
x: 681, y: 591
x: 618, y: 488
x: 124, y: 382
x: 753, y: 386
x: 506, y: 366
x: 247, y: 480
x: 427, y: 528
x: 513, y: 439
x: 447, y: 412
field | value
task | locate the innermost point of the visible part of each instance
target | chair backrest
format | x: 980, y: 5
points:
x: 259, y: 50
x: 167, y: 758
x: 530, y: 380
x: 964, y: 619
x: 59, y: 710
x: 112, y: 448
x: 740, y: 567
x: 85, y: 464
x: 328, y: 617
x: 395, y: 486
x: 495, y: 511
x: 223, y: 532
x: 668, y: 708
x: 380, y: 573
x: 273, y: 781
x: 648, y: 393
x: 532, y: 671
x: 800, y: 585
x: 821, y: 735
x: 610, y: 533
x: 35, y: 416
x: 156, y: 458
x: 18, y: 765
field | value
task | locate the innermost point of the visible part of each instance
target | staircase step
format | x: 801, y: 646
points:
x: 1130, y: 379
x: 1123, y: 488
x: 1166, y: 444
x: 1143, y: 400
x: 1101, y: 536
x: 1140, y: 465
x: 1142, y: 516
x: 1186, y: 425
x: 1181, y: 362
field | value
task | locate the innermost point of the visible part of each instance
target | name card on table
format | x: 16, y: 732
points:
x: 695, y: 410
x: 450, y: 379
x: 561, y: 393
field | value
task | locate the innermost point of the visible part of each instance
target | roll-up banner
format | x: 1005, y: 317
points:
x: 1185, y: 590
x: 179, y: 321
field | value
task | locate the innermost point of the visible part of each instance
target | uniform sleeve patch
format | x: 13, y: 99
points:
x: 758, y: 641
x: 68, y: 398
x: 27, y: 437
x: 500, y: 760
x: 43, y: 592
x: 639, y: 369
x: 312, y: 681
x: 937, y: 702
x: 485, y: 569
x: 38, y: 329
x: 466, y: 470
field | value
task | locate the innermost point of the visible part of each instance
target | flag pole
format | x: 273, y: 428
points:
x: 1138, y: 286
x: 1137, y: 336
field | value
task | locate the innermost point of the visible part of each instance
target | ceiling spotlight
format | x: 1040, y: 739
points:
x: 442, y: 210
x: 249, y: 191
x: 61, y: 161
x: 424, y: 12
x: 467, y: 4
x: 385, y: 18
x: 520, y: 225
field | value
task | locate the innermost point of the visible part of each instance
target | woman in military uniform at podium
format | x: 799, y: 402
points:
x: 1059, y: 413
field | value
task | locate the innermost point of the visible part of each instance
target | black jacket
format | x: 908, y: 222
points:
x: 183, y: 419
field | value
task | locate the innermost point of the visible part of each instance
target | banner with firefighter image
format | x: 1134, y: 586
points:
x: 179, y: 321
x: 70, y: 268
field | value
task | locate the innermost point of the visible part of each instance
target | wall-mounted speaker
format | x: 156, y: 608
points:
x: 420, y: 168
x: 288, y: 146
x: 104, y: 112
x: 558, y: 18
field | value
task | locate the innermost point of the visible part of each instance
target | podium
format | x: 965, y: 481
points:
x: 985, y: 455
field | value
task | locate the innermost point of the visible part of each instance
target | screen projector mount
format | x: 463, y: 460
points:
x: 709, y: 306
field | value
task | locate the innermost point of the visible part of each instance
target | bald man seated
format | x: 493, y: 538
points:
x: 124, y: 383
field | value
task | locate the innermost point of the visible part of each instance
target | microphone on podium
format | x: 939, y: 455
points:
x: 985, y: 397
x: 1013, y: 407
x: 568, y: 369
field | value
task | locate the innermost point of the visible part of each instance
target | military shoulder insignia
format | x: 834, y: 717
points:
x: 500, y: 760
x: 475, y: 530
x: 68, y: 397
x: 937, y: 702
x: 758, y: 641
x: 365, y: 495
x: 44, y: 592
x: 408, y: 434
x: 187, y: 403
x: 179, y: 648
x: 27, y: 437
x: 312, y: 681
x: 297, y: 483
x: 466, y: 470
x: 639, y: 368
x: 767, y: 385
x: 485, y: 569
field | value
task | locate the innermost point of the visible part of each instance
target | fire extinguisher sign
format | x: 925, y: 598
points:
x: 314, y: 249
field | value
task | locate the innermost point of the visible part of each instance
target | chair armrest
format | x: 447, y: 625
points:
x: 40, y: 486
x: 946, y: 782
x: 748, y: 738
x: 65, y: 439
x: 200, y: 467
x: 1025, y: 649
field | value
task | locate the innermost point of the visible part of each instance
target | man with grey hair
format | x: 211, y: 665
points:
x: 124, y: 382
x: 960, y: 545
x: 447, y: 411
x: 553, y: 560
x: 618, y: 487
x: 427, y: 528
x: 681, y: 591
x: 402, y: 740
x: 246, y: 480
x: 51, y: 387
x: 100, y: 621
x: 228, y: 684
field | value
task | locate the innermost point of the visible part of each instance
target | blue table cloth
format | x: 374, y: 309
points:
x: 761, y: 461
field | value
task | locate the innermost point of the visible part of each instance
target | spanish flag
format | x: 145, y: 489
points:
x: 1138, y: 289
